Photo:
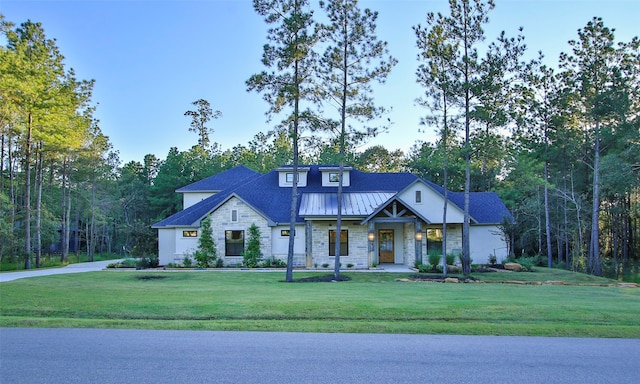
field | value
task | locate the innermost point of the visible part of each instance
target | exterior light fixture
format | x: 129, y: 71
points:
x: 371, y: 236
x: 419, y: 236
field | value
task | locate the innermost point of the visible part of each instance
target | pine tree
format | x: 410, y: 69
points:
x: 354, y: 59
x: 290, y: 53
x: 207, y: 253
x: 252, y: 254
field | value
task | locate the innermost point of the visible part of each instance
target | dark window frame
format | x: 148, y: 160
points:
x: 344, y: 243
x: 286, y: 232
x: 288, y: 177
x: 233, y: 242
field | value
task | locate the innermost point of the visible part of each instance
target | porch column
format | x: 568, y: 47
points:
x: 308, y: 243
x: 418, y: 237
x: 371, y: 237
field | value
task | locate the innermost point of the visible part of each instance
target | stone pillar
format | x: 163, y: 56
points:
x: 418, y: 240
x: 371, y: 245
x: 308, y: 243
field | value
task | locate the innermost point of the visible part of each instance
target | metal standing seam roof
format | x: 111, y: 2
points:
x: 353, y: 204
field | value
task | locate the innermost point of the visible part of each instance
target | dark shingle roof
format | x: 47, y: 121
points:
x: 221, y: 181
x: 484, y: 207
x: 265, y: 195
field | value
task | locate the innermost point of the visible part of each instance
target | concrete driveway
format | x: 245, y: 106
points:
x: 71, y: 268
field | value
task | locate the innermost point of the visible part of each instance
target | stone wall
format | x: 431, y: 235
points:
x: 358, y: 252
x: 221, y: 222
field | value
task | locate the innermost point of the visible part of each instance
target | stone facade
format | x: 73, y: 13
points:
x: 358, y: 251
x: 223, y: 220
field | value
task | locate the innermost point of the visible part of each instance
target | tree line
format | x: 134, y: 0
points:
x: 561, y: 145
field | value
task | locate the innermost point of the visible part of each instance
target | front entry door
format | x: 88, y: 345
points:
x: 385, y: 246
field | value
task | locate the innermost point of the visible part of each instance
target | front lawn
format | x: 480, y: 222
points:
x: 369, y: 302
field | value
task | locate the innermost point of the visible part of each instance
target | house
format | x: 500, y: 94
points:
x: 386, y: 217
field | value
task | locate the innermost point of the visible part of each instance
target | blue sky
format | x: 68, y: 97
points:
x: 152, y: 58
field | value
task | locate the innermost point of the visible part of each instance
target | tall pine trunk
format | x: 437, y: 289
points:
x: 27, y: 195
x: 594, y: 250
x: 294, y: 188
x: 39, y: 181
x: 547, y: 215
x: 66, y: 205
x: 343, y: 132
x: 466, y: 246
x: 445, y: 172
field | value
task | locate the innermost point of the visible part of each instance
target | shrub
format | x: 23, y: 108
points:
x: 493, y: 259
x: 252, y: 253
x: 434, y: 259
x: 186, y: 261
x: 277, y: 263
x: 147, y: 262
x: 206, y: 254
x: 451, y: 259
x: 126, y: 263
x: 527, y: 263
x: 424, y: 268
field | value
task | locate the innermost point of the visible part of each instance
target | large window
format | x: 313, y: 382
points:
x: 233, y: 243
x: 344, y: 242
x: 434, y: 240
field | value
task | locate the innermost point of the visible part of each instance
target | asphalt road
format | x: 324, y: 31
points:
x: 137, y: 356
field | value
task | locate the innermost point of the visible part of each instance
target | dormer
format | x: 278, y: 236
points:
x: 285, y: 176
x: 331, y: 176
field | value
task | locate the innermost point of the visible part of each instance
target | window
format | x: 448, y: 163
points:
x: 233, y: 243
x: 434, y: 240
x: 289, y: 177
x: 418, y: 197
x: 234, y: 216
x: 344, y: 242
x: 189, y: 233
x: 334, y: 177
x: 286, y: 232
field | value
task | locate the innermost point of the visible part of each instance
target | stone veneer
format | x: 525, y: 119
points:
x: 358, y: 252
x: 221, y: 222
x: 454, y: 240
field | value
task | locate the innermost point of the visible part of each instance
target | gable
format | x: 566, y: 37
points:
x: 431, y: 203
x: 392, y: 210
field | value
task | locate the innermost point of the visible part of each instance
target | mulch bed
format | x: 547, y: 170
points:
x: 322, y: 279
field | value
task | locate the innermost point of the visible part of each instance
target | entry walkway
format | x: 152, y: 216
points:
x: 395, y: 268
x: 71, y: 268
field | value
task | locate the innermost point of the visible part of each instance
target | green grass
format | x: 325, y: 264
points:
x: 370, y: 302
